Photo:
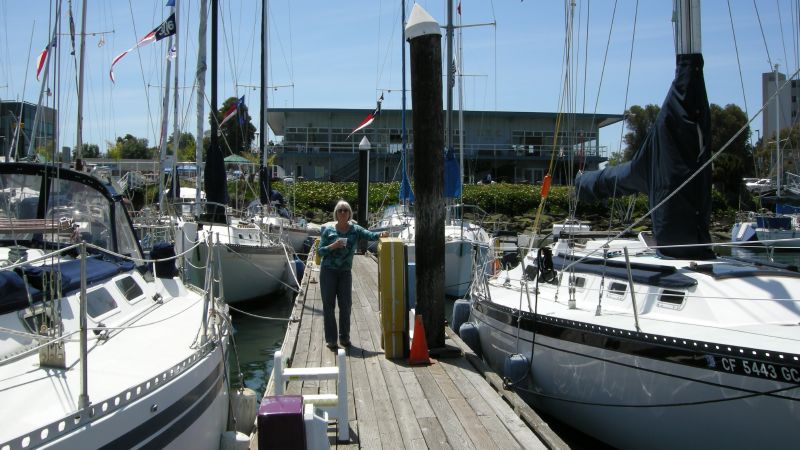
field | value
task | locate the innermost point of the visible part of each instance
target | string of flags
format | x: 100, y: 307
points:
x: 166, y: 29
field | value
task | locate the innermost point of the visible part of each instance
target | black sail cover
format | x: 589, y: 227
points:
x: 674, y: 148
x: 216, y: 185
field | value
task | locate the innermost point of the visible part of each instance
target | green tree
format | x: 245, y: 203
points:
x: 737, y: 159
x: 639, y: 121
x: 238, y: 133
x: 186, y: 147
x: 45, y: 152
x: 130, y: 147
x: 87, y: 151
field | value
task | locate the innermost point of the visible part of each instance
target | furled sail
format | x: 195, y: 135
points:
x: 675, y: 148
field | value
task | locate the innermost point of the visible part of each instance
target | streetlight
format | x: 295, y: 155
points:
x: 363, y: 186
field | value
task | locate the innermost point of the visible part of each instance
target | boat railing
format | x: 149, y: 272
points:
x: 52, y: 338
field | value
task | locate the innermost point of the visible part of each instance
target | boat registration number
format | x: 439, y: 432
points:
x: 761, y: 369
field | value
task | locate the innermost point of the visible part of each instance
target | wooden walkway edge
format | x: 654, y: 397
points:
x: 452, y: 403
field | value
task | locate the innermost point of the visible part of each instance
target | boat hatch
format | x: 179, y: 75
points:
x: 99, y: 302
x: 130, y: 289
x: 671, y: 299
x: 617, y: 290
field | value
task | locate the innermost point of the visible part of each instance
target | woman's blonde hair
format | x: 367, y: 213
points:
x: 343, y: 205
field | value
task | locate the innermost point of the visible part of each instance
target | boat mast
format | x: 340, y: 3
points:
x: 403, y: 94
x: 79, y: 132
x: 264, y: 174
x: 176, y: 133
x: 778, y: 159
x: 200, y: 76
x: 450, y: 79
x: 164, y: 125
x: 50, y: 47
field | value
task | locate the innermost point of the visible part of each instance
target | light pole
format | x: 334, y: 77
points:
x: 363, y: 186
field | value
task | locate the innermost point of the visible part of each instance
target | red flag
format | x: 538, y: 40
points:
x: 167, y: 28
x: 368, y: 120
x: 43, y: 57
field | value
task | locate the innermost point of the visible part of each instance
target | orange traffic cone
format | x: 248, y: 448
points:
x: 419, y: 345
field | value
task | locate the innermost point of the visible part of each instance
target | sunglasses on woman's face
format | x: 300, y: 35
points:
x: 341, y: 211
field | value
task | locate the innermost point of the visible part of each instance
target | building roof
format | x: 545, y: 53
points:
x: 277, y: 116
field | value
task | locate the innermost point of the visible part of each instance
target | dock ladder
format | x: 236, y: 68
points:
x: 334, y: 405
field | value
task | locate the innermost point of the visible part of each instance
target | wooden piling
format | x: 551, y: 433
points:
x: 425, y: 41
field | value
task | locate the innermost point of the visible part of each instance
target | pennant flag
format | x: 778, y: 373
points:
x: 234, y: 108
x: 459, y: 7
x: 368, y: 120
x: 166, y: 29
x: 43, y: 57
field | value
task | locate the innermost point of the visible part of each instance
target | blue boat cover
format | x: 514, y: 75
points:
x: 97, y: 271
x: 782, y: 208
x: 774, y: 223
x: 653, y: 275
x: 13, y: 295
x: 674, y: 149
x: 452, y: 176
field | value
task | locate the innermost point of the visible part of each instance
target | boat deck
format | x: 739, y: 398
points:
x: 450, y: 403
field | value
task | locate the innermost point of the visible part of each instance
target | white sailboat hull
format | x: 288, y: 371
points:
x: 253, y: 266
x: 710, y: 358
x: 634, y: 401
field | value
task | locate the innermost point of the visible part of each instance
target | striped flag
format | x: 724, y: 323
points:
x: 368, y: 120
x: 43, y: 57
x: 166, y: 29
x: 232, y: 110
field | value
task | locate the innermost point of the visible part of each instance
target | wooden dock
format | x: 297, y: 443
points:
x: 452, y: 403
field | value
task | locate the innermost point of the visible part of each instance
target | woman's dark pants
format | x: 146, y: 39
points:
x: 335, y: 284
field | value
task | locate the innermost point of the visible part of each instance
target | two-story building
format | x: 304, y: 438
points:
x: 314, y: 143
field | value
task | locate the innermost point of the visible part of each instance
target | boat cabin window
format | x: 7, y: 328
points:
x: 126, y: 239
x: 671, y: 299
x: 617, y: 289
x: 99, y: 302
x: 130, y: 289
x: 580, y: 282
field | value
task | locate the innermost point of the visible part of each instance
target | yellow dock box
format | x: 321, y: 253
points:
x: 317, y: 257
x: 391, y: 295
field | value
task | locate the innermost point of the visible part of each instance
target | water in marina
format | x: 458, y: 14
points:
x: 258, y: 339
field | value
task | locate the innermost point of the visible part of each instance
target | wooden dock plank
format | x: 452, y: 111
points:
x: 442, y: 409
x: 466, y: 415
x: 448, y: 404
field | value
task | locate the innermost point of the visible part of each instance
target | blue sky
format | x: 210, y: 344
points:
x: 341, y: 54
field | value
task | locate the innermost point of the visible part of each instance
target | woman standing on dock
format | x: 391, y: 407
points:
x: 337, y: 245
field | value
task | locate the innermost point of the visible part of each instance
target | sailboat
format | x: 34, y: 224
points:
x: 253, y: 264
x: 117, y: 348
x: 651, y: 342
